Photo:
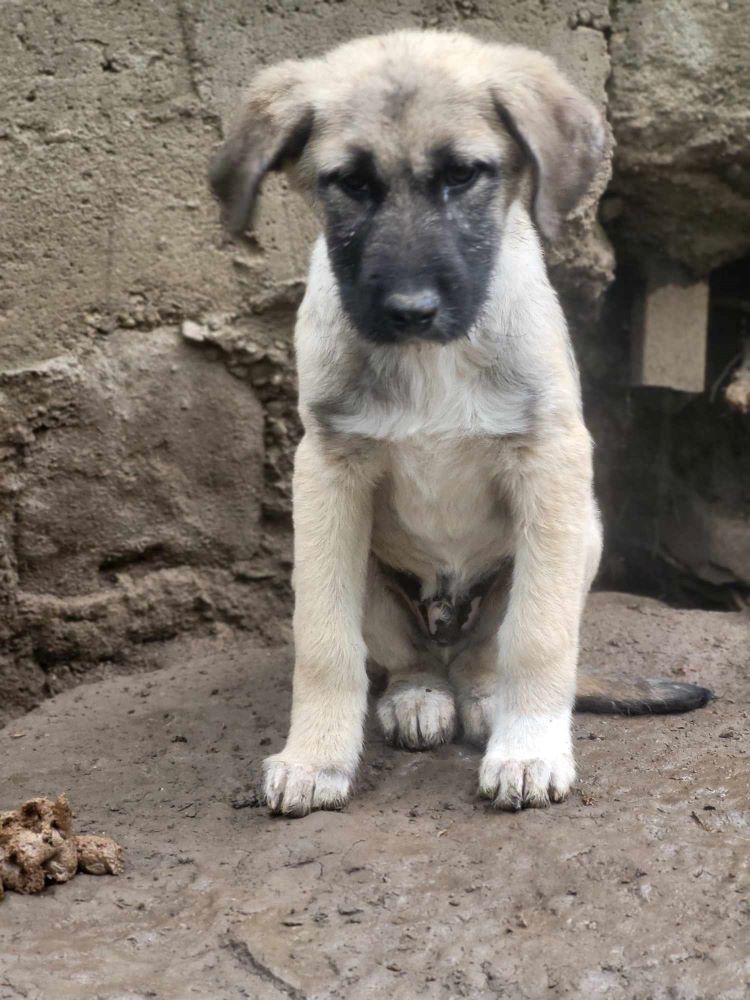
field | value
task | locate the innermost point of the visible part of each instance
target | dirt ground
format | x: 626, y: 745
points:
x: 637, y: 887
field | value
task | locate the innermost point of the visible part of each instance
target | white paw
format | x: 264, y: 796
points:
x: 477, y: 714
x: 295, y: 789
x: 418, y: 715
x: 529, y: 762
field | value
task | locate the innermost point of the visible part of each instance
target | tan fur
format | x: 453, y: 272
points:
x: 431, y: 459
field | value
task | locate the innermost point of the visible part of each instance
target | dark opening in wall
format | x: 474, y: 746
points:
x: 729, y: 330
x: 673, y: 467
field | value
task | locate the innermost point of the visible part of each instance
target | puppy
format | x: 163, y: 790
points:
x: 445, y: 523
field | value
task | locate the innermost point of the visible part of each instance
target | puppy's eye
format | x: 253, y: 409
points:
x: 355, y: 184
x: 460, y: 175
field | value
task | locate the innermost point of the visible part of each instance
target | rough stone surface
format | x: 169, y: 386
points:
x: 681, y: 118
x: 158, y: 465
x: 134, y: 485
x: 253, y: 352
x: 638, y: 886
x: 709, y: 540
x: 104, y: 144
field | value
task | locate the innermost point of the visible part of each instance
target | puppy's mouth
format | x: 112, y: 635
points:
x: 384, y: 334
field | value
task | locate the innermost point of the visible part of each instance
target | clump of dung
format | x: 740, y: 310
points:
x: 37, y: 846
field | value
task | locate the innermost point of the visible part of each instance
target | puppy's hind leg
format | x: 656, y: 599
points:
x: 417, y: 710
x: 474, y: 678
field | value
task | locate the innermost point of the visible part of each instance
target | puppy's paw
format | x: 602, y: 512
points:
x: 523, y: 784
x: 418, y: 714
x: 295, y: 789
x: 477, y: 715
x: 529, y: 762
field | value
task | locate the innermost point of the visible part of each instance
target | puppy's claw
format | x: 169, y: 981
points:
x: 512, y: 785
x: 418, y: 715
x: 294, y: 789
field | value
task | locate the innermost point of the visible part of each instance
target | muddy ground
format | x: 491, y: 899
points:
x: 637, y: 887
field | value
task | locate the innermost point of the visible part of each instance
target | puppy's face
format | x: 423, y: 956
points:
x: 414, y: 146
x: 413, y: 184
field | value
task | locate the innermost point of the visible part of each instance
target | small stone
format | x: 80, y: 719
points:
x: 193, y: 331
x: 60, y: 135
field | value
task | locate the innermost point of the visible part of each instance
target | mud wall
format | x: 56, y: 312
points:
x: 146, y: 379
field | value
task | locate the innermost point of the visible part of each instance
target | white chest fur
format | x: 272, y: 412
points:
x: 455, y: 389
x: 438, y: 510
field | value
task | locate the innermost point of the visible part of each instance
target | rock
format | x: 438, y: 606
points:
x: 681, y: 119
x: 131, y: 481
x: 708, y: 540
x: 194, y: 331
x: 159, y: 463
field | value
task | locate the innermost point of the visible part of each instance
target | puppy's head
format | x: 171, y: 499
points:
x: 414, y: 145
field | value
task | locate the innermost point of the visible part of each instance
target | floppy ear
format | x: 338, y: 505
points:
x: 269, y: 133
x: 560, y: 131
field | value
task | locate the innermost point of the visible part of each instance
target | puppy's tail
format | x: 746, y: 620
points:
x: 637, y: 696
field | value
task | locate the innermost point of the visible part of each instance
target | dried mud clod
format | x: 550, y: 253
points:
x: 37, y: 846
x: 98, y: 855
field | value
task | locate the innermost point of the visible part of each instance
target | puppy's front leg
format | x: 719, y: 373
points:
x: 332, y: 526
x: 529, y: 757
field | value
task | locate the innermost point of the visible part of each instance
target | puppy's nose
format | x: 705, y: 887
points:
x: 416, y: 309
